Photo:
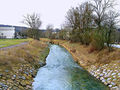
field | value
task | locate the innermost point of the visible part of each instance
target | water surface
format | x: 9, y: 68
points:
x: 62, y: 73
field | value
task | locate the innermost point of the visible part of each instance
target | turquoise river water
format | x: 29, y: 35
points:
x: 62, y: 73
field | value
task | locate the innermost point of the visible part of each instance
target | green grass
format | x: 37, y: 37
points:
x: 10, y: 42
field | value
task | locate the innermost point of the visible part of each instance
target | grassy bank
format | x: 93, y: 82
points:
x: 10, y: 42
x: 18, y: 65
x: 104, y: 65
x: 85, y: 56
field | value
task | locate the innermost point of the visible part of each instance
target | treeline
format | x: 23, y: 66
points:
x: 91, y: 23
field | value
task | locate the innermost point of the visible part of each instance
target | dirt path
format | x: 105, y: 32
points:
x: 4, y: 48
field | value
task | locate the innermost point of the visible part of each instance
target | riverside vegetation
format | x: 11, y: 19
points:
x: 88, y: 32
x: 104, y: 65
x: 18, y: 65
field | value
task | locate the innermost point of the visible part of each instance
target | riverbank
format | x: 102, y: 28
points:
x: 103, y: 65
x: 19, y: 65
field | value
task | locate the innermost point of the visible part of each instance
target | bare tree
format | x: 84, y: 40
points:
x: 33, y: 22
x: 72, y: 18
x: 101, y: 7
x: 80, y: 20
x: 49, y: 29
x: 110, y: 24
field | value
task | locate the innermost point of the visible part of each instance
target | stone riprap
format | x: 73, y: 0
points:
x: 109, y: 74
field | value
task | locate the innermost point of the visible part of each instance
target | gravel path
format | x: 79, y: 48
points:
x: 14, y: 46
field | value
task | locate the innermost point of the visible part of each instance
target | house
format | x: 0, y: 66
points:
x: 8, y: 31
x: 54, y: 31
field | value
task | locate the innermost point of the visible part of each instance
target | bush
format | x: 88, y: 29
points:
x: 75, y: 36
x: 33, y: 33
x: 98, y: 40
x: 86, y: 38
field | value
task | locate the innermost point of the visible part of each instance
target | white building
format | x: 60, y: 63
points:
x: 7, y: 32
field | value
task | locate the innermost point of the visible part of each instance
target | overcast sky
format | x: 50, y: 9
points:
x: 51, y: 11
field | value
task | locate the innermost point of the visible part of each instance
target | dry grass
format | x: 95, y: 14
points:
x: 29, y: 53
x: 85, y: 57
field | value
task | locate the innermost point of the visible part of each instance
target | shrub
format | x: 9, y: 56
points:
x: 86, y: 38
x: 98, y: 40
x: 75, y: 36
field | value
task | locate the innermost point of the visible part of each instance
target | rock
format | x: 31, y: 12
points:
x: 101, y: 78
x: 118, y: 74
x: 30, y: 71
x: 105, y: 83
x: 97, y: 77
x: 104, y: 70
x: 7, y: 71
x: 116, y: 71
x: 3, y: 86
x: 15, y: 88
x: 27, y: 82
x: 108, y: 79
x: 101, y: 75
x: 115, y: 88
x: 27, y: 73
x: 113, y: 74
x: 13, y: 77
x: 8, y: 76
x: 41, y: 63
x: 110, y: 86
x: 106, y: 76
x: 1, y: 75
x: 108, y: 70
x: 33, y: 74
x: 114, y: 79
x: 9, y: 82
x: 21, y: 77
x: 113, y: 83
x: 108, y: 82
x: 98, y: 70
x: 22, y: 83
x: 28, y: 87
x: 21, y: 88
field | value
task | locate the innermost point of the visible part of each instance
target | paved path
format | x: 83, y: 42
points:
x: 13, y: 46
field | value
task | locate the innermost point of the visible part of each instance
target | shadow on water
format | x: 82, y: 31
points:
x: 62, y: 73
x: 82, y: 80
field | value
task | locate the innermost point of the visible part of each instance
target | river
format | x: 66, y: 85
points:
x: 62, y: 73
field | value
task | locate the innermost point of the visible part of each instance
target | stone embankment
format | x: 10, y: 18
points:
x: 109, y: 74
x: 20, y: 78
x: 19, y: 65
